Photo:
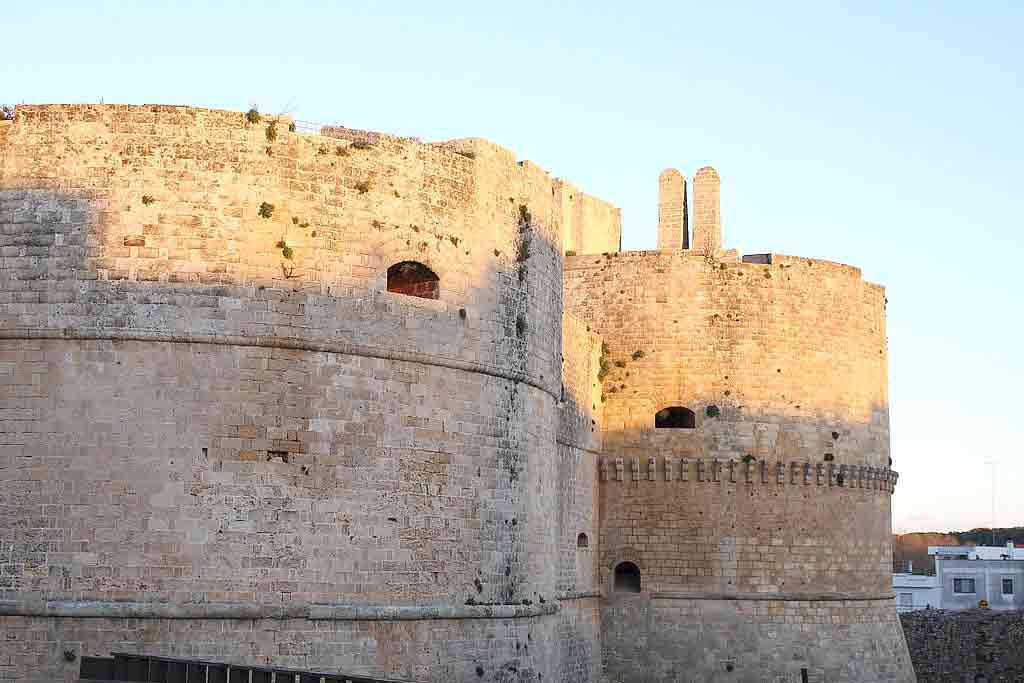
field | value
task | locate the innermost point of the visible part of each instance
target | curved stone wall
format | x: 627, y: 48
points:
x: 214, y: 410
x: 779, y: 494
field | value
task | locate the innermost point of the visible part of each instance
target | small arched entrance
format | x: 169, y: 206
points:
x: 627, y: 578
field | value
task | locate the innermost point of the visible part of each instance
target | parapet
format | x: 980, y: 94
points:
x: 589, y: 225
x: 707, y: 211
x: 673, y: 212
x: 673, y: 229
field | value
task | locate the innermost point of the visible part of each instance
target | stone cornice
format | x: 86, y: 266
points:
x: 732, y: 471
x: 31, y: 606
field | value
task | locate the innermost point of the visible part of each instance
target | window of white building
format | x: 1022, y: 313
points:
x: 963, y: 585
x: 1007, y: 586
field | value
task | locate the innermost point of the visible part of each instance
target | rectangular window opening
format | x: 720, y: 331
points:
x: 1007, y: 586
x: 963, y: 585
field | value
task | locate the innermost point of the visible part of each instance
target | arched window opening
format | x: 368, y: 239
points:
x: 582, y: 541
x: 413, y: 279
x: 627, y: 578
x: 675, y: 417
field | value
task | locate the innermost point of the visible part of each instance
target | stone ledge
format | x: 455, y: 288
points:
x: 733, y: 471
x: 779, y: 597
x: 343, y: 348
x: 252, y: 610
x: 578, y: 595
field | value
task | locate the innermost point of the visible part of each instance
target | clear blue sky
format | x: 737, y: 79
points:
x: 887, y: 138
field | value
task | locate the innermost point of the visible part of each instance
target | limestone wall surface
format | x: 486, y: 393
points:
x: 579, y: 446
x: 554, y: 646
x: 221, y: 435
x: 212, y: 408
x: 780, y: 490
x: 647, y: 638
x: 965, y: 646
x: 589, y: 225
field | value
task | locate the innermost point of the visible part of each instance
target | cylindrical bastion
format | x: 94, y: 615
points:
x: 223, y: 437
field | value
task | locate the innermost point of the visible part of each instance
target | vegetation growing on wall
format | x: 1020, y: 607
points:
x: 286, y: 251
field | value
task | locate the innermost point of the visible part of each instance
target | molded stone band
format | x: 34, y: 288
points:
x: 569, y: 444
x: 253, y: 610
x: 343, y: 348
x: 717, y: 470
x: 784, y: 597
x: 578, y: 595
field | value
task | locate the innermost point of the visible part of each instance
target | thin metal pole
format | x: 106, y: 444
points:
x: 992, y: 464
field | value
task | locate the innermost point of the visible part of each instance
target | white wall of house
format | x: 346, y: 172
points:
x: 967, y: 575
x: 915, y: 591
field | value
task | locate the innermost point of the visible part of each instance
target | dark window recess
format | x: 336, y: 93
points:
x: 627, y: 578
x: 675, y: 417
x: 1007, y: 586
x: 414, y: 279
x: 582, y: 541
x: 963, y: 585
x: 803, y: 675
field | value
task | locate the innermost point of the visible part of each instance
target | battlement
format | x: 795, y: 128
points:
x: 462, y: 165
x: 778, y: 266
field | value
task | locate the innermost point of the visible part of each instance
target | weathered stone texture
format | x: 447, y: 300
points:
x: 965, y: 646
x: 673, y: 233
x: 707, y: 211
x: 725, y: 641
x: 205, y: 423
x: 589, y: 225
x: 221, y: 435
x: 561, y: 647
x: 780, y: 492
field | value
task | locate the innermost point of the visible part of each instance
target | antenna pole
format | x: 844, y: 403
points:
x: 992, y: 464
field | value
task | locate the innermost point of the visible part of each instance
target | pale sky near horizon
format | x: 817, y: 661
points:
x: 889, y: 138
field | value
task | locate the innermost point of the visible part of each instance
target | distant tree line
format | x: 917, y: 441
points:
x: 913, y: 547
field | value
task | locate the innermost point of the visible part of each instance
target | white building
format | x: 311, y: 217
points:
x: 916, y: 591
x: 969, y: 574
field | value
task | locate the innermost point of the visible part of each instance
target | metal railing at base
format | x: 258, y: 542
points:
x: 121, y: 667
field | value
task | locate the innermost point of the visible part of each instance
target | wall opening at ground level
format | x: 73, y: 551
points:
x: 627, y: 578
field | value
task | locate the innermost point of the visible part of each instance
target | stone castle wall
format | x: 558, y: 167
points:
x: 197, y: 424
x: 965, y: 645
x: 770, y: 519
x: 222, y: 437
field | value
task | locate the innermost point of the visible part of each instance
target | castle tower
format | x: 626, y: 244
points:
x: 303, y: 410
x: 707, y: 211
x: 339, y: 415
x: 746, y: 477
x: 673, y: 233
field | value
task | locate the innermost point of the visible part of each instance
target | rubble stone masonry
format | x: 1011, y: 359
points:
x: 222, y: 437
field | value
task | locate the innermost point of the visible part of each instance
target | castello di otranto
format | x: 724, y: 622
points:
x: 348, y: 402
